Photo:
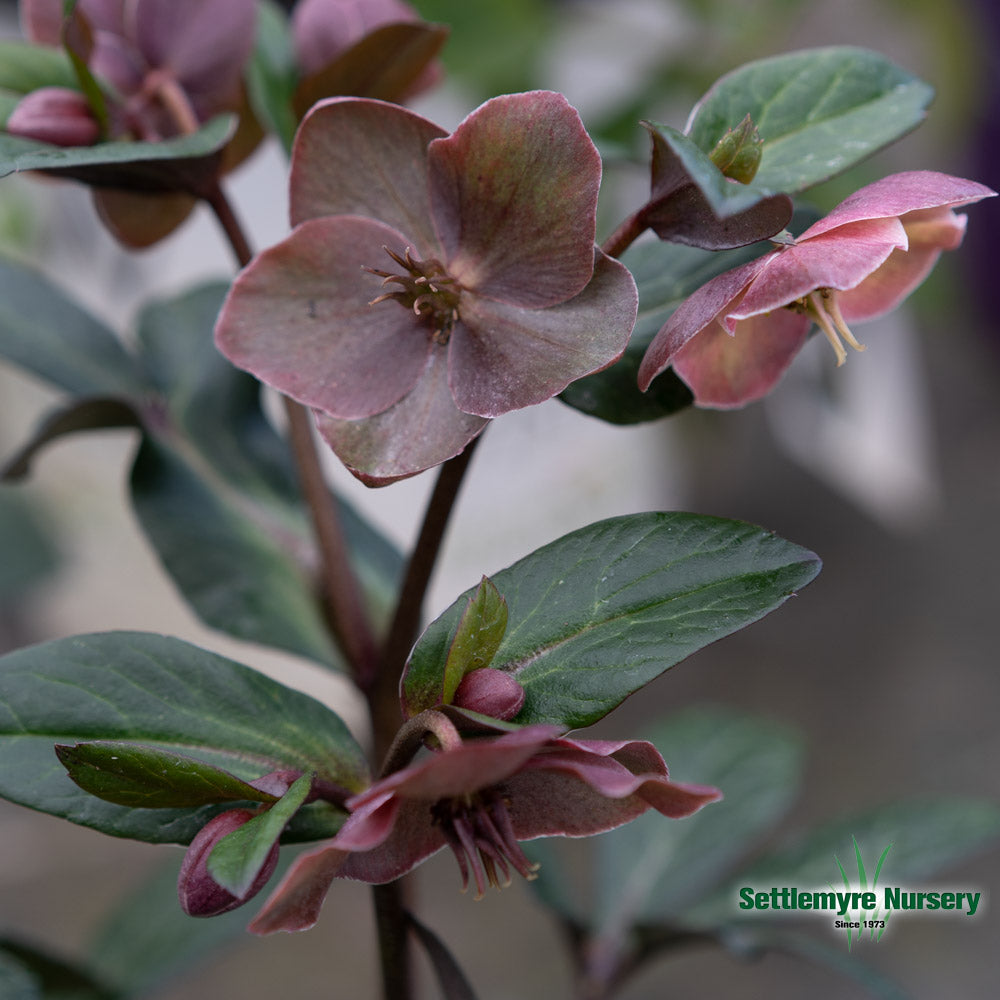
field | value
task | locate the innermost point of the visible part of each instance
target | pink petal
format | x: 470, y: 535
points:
x: 898, y: 194
x: 205, y: 43
x: 841, y: 259
x: 299, y: 318
x: 514, y: 199
x: 503, y: 357
x: 296, y: 903
x: 729, y: 370
x: 323, y: 29
x: 41, y: 20
x: 702, y: 309
x: 422, y: 430
x: 355, y: 156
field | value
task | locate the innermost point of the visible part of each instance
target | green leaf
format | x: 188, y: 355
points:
x: 52, y: 978
x: 239, y: 574
x: 146, y: 777
x: 818, y: 111
x: 186, y: 163
x: 44, y: 331
x: 30, y: 552
x: 477, y: 638
x: 151, y: 689
x: 452, y: 980
x: 236, y: 861
x: 927, y: 836
x: 599, y: 613
x: 25, y: 67
x: 88, y: 414
x: 652, y: 869
x: 272, y: 73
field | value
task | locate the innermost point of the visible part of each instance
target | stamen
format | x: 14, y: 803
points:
x: 824, y: 310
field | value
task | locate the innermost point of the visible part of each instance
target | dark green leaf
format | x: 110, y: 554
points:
x: 818, y: 111
x: 450, y: 977
x: 651, y: 869
x: 239, y: 575
x: 272, y: 73
x: 146, y: 777
x: 45, y: 332
x: 30, y: 553
x: 599, y: 613
x: 187, y: 163
x: 25, y: 67
x: 87, y: 414
x: 157, y: 690
x: 53, y: 978
x: 236, y: 860
x: 927, y: 836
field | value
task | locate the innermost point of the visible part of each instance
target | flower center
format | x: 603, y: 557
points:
x: 821, y: 307
x: 426, y: 288
x: 479, y: 832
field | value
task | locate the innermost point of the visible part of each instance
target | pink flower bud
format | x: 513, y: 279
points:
x: 200, y: 894
x: 55, y: 115
x: 490, y: 692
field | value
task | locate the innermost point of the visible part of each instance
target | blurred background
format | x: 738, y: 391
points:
x: 887, y: 664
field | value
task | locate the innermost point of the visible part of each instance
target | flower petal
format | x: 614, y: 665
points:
x: 514, y: 199
x: 729, y: 370
x: 702, y: 309
x: 355, y: 156
x: 424, y: 429
x: 299, y: 318
x: 295, y: 904
x: 504, y: 356
x: 841, y: 259
x: 205, y: 43
x: 898, y: 194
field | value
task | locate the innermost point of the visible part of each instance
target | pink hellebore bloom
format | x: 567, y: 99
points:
x: 732, y: 340
x: 432, y: 281
x: 480, y: 797
x: 174, y: 63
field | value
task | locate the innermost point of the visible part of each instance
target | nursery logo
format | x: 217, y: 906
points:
x: 862, y: 908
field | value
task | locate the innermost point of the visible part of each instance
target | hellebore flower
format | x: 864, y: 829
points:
x: 733, y: 338
x: 480, y: 797
x: 172, y: 65
x: 432, y: 281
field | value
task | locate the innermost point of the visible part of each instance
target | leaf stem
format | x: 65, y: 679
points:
x: 392, y: 923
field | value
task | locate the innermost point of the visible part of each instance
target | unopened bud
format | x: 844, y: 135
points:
x: 200, y: 894
x: 738, y: 153
x: 490, y: 692
x: 56, y: 115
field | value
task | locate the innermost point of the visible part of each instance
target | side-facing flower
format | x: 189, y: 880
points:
x: 168, y: 66
x: 480, y: 798
x: 432, y: 281
x: 732, y: 340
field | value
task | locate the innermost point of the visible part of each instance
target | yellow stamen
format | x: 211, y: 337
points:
x: 824, y: 311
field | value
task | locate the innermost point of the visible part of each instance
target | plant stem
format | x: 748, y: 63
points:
x: 626, y: 234
x: 394, y: 953
x: 383, y: 689
x: 346, y: 612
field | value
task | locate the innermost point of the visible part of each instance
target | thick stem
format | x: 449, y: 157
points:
x: 626, y: 234
x: 346, y: 611
x: 383, y: 689
x: 392, y: 924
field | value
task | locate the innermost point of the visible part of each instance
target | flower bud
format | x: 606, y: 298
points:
x: 200, y: 894
x: 490, y: 692
x: 738, y: 153
x: 56, y: 115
